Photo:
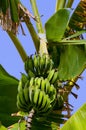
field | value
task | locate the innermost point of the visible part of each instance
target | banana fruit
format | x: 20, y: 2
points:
x: 36, y: 93
x: 38, y: 66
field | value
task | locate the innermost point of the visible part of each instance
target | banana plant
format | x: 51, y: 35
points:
x: 41, y: 95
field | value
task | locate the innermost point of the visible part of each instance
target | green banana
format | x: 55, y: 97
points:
x: 30, y: 74
x: 48, y: 65
x: 39, y: 82
x: 32, y: 81
x: 27, y: 84
x: 42, y: 63
x: 31, y: 93
x: 44, y: 101
x: 21, y: 104
x: 22, y: 98
x: 36, y: 97
x: 47, y: 107
x: 52, y: 93
x: 26, y: 95
x: 20, y: 86
x: 35, y: 64
x: 51, y: 74
x: 27, y: 99
x: 55, y: 77
x: 47, y: 85
x: 40, y: 100
x: 29, y: 65
x: 24, y: 78
x: 43, y: 85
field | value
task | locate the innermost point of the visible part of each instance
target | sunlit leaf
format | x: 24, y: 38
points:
x: 77, y: 121
x: 55, y: 27
x: 72, y: 62
x: 8, y: 93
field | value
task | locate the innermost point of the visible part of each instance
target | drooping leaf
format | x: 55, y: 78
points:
x: 78, y: 19
x: 8, y: 93
x: 77, y: 121
x: 55, y: 27
x: 72, y: 62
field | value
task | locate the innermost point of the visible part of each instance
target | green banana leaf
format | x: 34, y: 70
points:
x: 8, y: 94
x: 77, y: 121
x: 55, y: 27
x: 78, y: 19
x: 72, y: 62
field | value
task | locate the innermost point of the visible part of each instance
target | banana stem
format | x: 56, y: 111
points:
x: 69, y: 3
x: 42, y: 45
x: 36, y: 13
x: 18, y: 46
x: 60, y: 4
x: 29, y: 119
x: 33, y: 34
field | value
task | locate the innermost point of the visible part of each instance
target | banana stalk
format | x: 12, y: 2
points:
x: 18, y: 46
x: 36, y: 13
x: 60, y: 4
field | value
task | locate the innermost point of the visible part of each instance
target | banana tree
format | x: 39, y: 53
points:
x: 42, y: 93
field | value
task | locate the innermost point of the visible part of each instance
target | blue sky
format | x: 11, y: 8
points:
x: 11, y: 60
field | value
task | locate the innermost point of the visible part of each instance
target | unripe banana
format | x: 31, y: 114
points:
x: 29, y: 65
x: 36, y: 97
x: 35, y: 64
x: 54, y: 78
x: 21, y: 104
x: 30, y: 74
x: 32, y: 81
x: 20, y: 86
x: 47, y: 107
x: 51, y: 74
x: 22, y: 82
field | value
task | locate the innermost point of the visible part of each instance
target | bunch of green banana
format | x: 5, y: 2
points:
x: 38, y: 66
x: 37, y: 93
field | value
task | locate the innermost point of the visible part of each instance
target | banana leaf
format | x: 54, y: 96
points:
x: 72, y: 62
x: 55, y: 27
x: 8, y: 93
x: 77, y: 121
x: 78, y: 19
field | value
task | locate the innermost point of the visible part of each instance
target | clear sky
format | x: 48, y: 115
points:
x: 11, y: 60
